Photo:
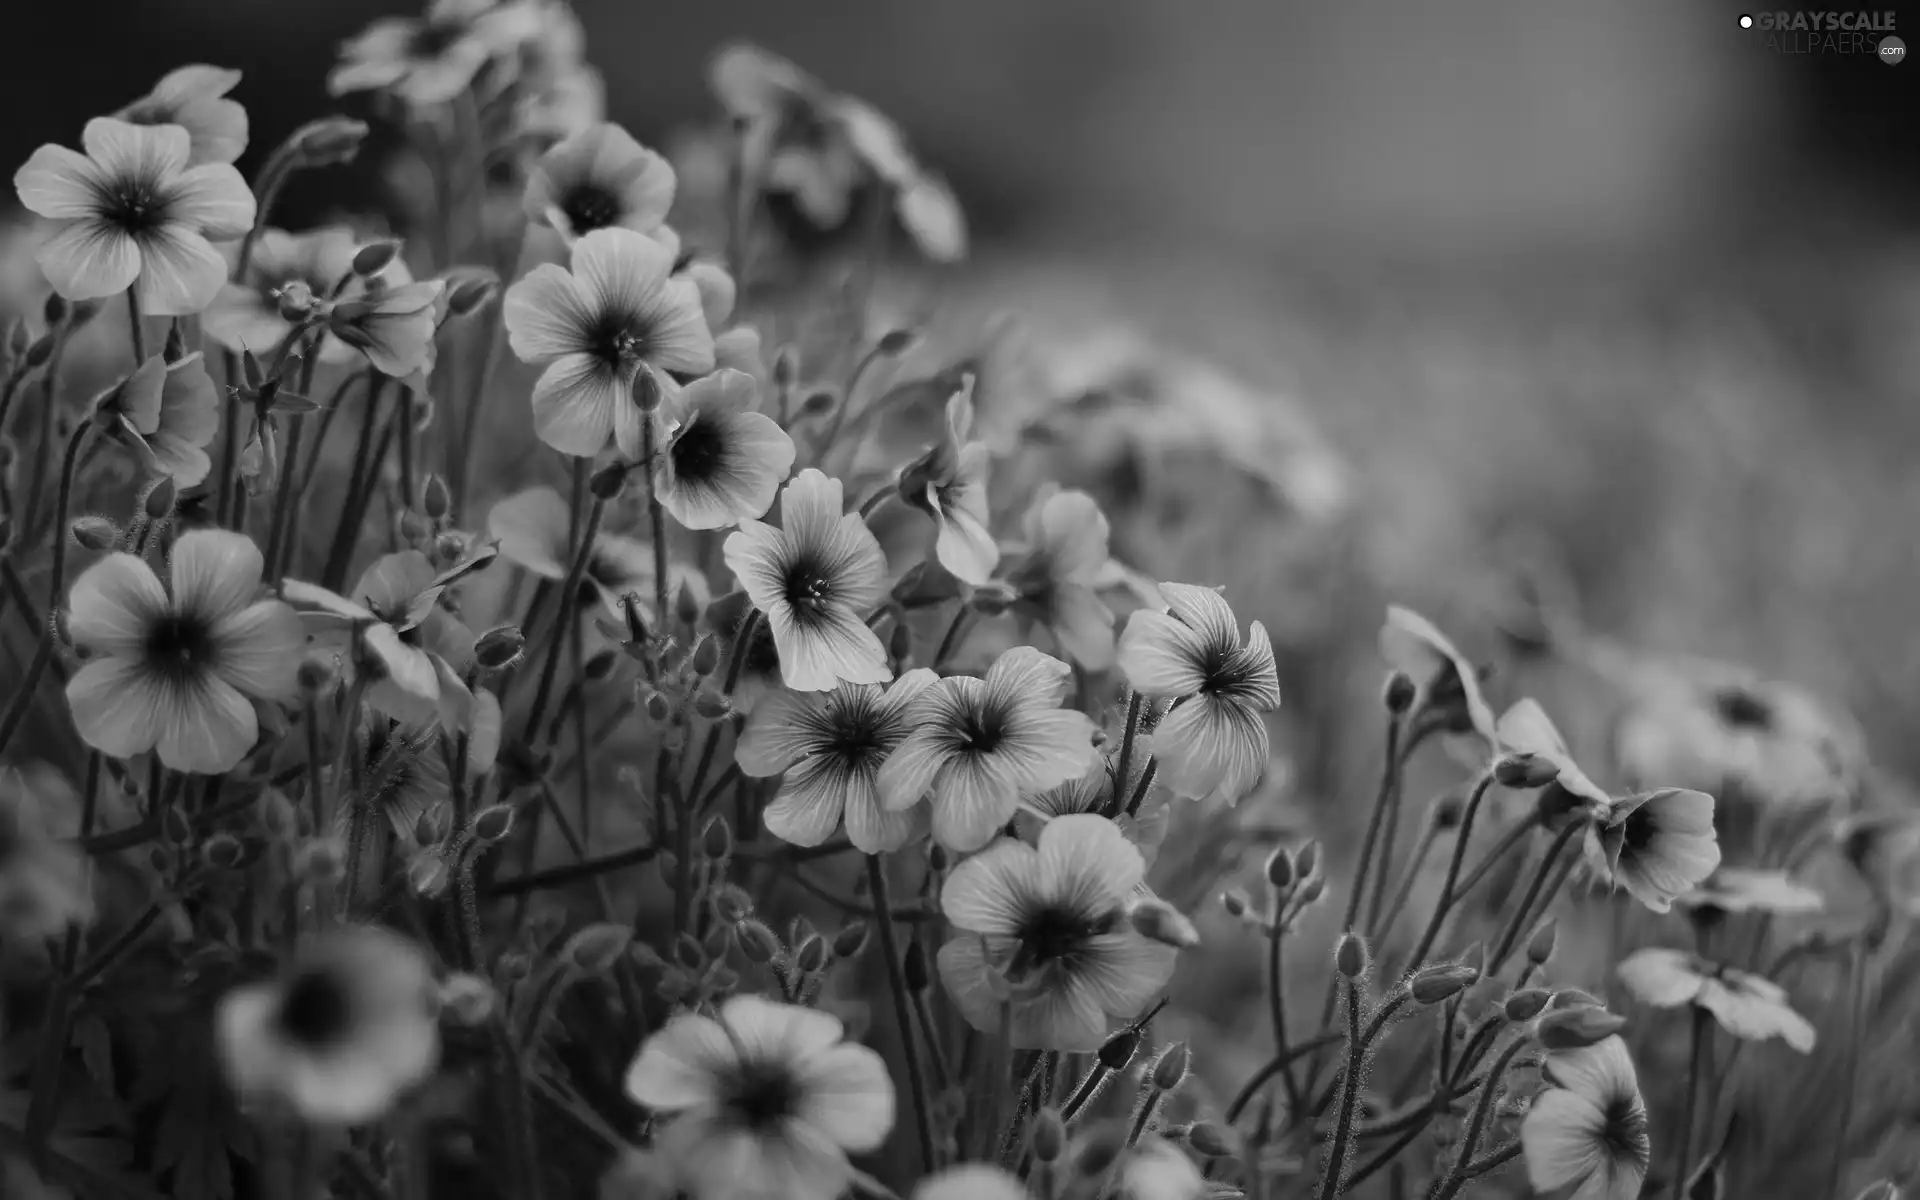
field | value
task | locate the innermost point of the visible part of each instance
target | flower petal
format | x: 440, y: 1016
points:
x: 1211, y: 746
x: 214, y: 199
x: 206, y: 727
x: 1087, y: 863
x: 909, y: 772
x: 1161, y: 656
x: 60, y: 183
x: 180, y: 271
x: 125, y: 152
x: 574, y: 404
x: 833, y: 647
x: 216, y: 573
x: 88, y: 259
x: 995, y: 891
x: 1563, y: 1139
x: 531, y: 527
x: 973, y: 798
x: 1125, y: 971
x: 811, y: 799
x: 848, y: 1096
x: 113, y: 604
x: 546, y: 315
x: 1025, y: 677
x: 871, y: 828
x: 259, y: 649
x: 117, y: 706
x: 1660, y: 977
x: 678, y: 1066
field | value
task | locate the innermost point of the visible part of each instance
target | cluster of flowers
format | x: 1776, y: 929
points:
x: 326, y: 778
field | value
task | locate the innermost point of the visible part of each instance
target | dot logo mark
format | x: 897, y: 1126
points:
x: 1892, y: 51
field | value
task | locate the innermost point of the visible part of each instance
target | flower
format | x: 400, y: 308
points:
x: 194, y: 98
x: 1525, y: 728
x: 949, y: 484
x: 392, y: 326
x: 170, y: 411
x: 724, y: 461
x: 815, y: 578
x: 423, y: 61
x: 45, y: 883
x: 341, y: 1033
x: 1213, y: 741
x: 132, y: 212
x: 533, y: 530
x: 767, y: 1101
x: 1658, y: 845
x: 245, y: 315
x: 978, y: 745
x: 760, y: 673
x: 1445, y: 680
x: 1156, y: 1169
x: 970, y: 1181
x: 599, y: 179
x: 831, y: 745
x: 1746, y: 1005
x: 1586, y: 1132
x: 618, y: 312
x: 1092, y: 792
x: 1041, y: 932
x: 1743, y: 890
x: 179, y: 673
x: 1055, y: 582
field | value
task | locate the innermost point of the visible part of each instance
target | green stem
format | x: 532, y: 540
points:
x: 902, y: 1011
x: 656, y: 520
x: 950, y: 641
x: 1124, y: 763
x: 1332, y: 1181
x: 1277, y: 1010
x: 1408, y: 878
x: 1274, y: 1066
x: 1515, y: 834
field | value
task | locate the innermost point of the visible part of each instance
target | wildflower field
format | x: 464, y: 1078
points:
x: 645, y: 673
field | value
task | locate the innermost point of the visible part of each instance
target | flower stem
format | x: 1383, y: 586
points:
x: 1445, y: 900
x: 950, y: 641
x: 557, y: 636
x: 902, y: 1010
x: 656, y: 518
x: 1277, y: 1008
x: 1515, y: 834
x: 135, y: 332
x: 1537, y: 889
x: 1701, y: 1042
x: 1273, y: 1066
x: 340, y: 553
x: 1857, y: 995
x: 43, y: 440
x: 1407, y: 879
x: 1482, y: 1112
x: 1124, y: 764
x: 1336, y: 1169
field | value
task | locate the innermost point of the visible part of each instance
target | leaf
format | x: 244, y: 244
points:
x: 199, y: 1128
x: 89, y: 1156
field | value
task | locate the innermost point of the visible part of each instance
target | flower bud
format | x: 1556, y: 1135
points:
x: 817, y: 404
x: 714, y: 944
x: 914, y: 967
x: 1350, y: 956
x: 374, y: 257
x: 433, y: 825
x: 812, y: 955
x: 95, y: 533
x: 757, y: 943
x: 18, y: 339
x: 175, y: 347
x: 493, y: 823
x: 686, y: 608
x: 786, y: 366
x: 514, y: 966
x: 327, y: 142
x: 294, y: 300
x: 40, y: 351
x: 1399, y: 693
x: 1524, y: 771
x: 1573, y: 1028
x: 1210, y: 1140
x: 1447, y: 809
x: 315, y: 674
x: 992, y: 598
x: 609, y: 481
x: 937, y: 857
x: 435, y: 500
x: 175, y: 827
x: 466, y: 999
x: 716, y: 839
x: 499, y: 648
x: 1279, y: 870
x: 1170, y: 1069
x: 1525, y: 1005
x: 689, y: 953
x: 597, y: 947
x: 1306, y: 861
x: 1574, y: 998
x: 712, y: 706
x: 1236, y: 901
x: 428, y: 874
x: 222, y: 851
x: 1117, y: 1051
x: 320, y: 860
x: 600, y: 666
x: 852, y: 939
x: 1308, y: 894
x: 54, y: 310
x: 705, y: 658
x: 160, y: 499
x: 1047, y: 1135
x: 1442, y: 981
x: 278, y: 817
x: 465, y: 297
x: 1158, y: 921
x: 896, y: 342
x: 1540, y: 945
x: 900, y: 642
x: 731, y: 904
x: 646, y: 391
x: 1099, y: 1150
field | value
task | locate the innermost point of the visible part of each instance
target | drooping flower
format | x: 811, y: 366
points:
x: 1213, y: 742
x: 425, y: 61
x: 1446, y: 681
x: 45, y: 882
x: 978, y: 745
x: 949, y: 484
x: 1041, y: 932
x: 1526, y: 729
x: 765, y: 1102
x: 1585, y: 1134
x: 815, y: 578
x: 724, y: 460
x: 533, y: 530
x: 179, y: 673
x: 1658, y: 845
x: 345, y: 1030
x: 392, y: 326
x: 1744, y: 890
x: 618, y: 312
x: 131, y: 212
x: 195, y: 98
x: 1055, y: 581
x: 246, y: 313
x: 599, y: 179
x: 169, y: 412
x: 831, y: 745
x: 1747, y: 1006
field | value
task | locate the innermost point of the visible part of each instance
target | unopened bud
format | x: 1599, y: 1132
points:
x: 1575, y: 998
x: 937, y: 858
x: 54, y: 310
x: 812, y: 955
x: 1440, y: 982
x: 689, y: 953
x: 84, y: 311
x: 315, y: 674
x: 900, y: 642
x: 852, y: 939
x: 278, y: 817
x: 320, y: 860
x: 222, y: 851
x: 914, y: 967
x: 175, y: 347
x: 817, y: 404
x: 493, y: 823
x: 1350, y: 956
x: 609, y: 481
x: 1525, y: 771
x: 1540, y: 945
x: 1309, y: 893
x: 1170, y: 1069
x: 658, y: 707
x: 896, y: 341
x: 712, y: 706
x: 435, y: 500
x: 1526, y: 1004
x: 327, y: 142
x: 1047, y: 1135
x: 40, y: 351
x: 465, y: 297
x: 716, y: 839
x: 600, y: 666
x: 598, y: 946
x: 467, y: 999
x: 1399, y: 693
x: 758, y: 944
x: 1236, y: 902
x: 294, y: 300
x: 646, y: 391
x: 992, y: 598
x: 433, y: 825
x: 1210, y: 1140
x: 686, y: 606
x: 96, y: 533
x: 1574, y: 1028
x: 1280, y: 873
x: 160, y: 499
x: 1117, y: 1051
x: 175, y: 827
x: 706, y: 656
x: 374, y: 257
x: 1306, y: 861
x: 1099, y: 1150
x: 731, y: 904
x: 1158, y: 921
x: 715, y: 943
x: 428, y: 874
x: 786, y: 366
x: 1448, y: 808
x: 499, y: 648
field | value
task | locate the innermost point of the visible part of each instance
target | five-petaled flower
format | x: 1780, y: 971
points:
x: 1213, y: 742
x: 1040, y: 934
x: 618, y: 312
x: 978, y: 745
x: 831, y: 745
x: 423, y: 60
x: 949, y: 484
x: 1658, y: 845
x: 1747, y: 1006
x: 1586, y: 1132
x: 133, y: 213
x: 180, y: 673
x: 764, y: 1100
x: 724, y: 460
x: 600, y: 179
x: 815, y: 578
x: 1056, y: 577
x: 195, y: 98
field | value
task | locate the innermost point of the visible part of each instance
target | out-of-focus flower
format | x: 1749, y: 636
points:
x: 195, y: 98
x: 170, y: 411
x: 43, y: 880
x: 180, y: 673
x: 815, y: 578
x: 1057, y: 574
x: 618, y: 312
x: 246, y: 315
x: 533, y: 530
x: 403, y: 772
x: 1447, y: 682
x: 1213, y: 742
x: 1092, y: 792
x: 1156, y: 1169
x: 131, y: 212
x: 392, y: 326
x: 1743, y: 890
x: 346, y: 1029
x: 971, y: 1181
x: 600, y: 179
x: 1041, y: 932
x: 1525, y: 728
x: 978, y: 745
x: 1746, y: 1005
x: 766, y: 1101
x: 760, y: 673
x: 425, y: 61
x: 1586, y: 1132
x: 831, y: 745
x: 724, y: 460
x: 1658, y: 845
x: 949, y: 484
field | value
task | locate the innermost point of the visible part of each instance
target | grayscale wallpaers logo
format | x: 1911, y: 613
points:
x: 1829, y: 33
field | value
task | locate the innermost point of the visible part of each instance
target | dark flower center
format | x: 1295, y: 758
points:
x: 433, y: 39
x: 615, y: 341
x: 856, y: 737
x: 135, y: 205
x: 1639, y: 830
x: 761, y: 1095
x: 763, y: 653
x: 1741, y: 709
x: 588, y: 207
x: 1055, y: 934
x: 149, y: 112
x: 809, y: 589
x: 1625, y: 1130
x: 699, y: 451
x: 317, y: 1009
x: 179, y: 646
x: 981, y: 730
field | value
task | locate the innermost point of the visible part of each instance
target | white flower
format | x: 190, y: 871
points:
x: 1658, y: 845
x: 1445, y: 680
x: 1586, y: 1133
x: 1057, y: 579
x: 1746, y: 1005
x: 194, y: 98
x: 600, y: 179
x: 724, y: 461
x: 245, y: 315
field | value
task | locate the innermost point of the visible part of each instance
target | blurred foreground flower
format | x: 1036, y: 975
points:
x: 44, y: 887
x: 424, y: 61
x: 765, y: 1102
x: 1058, y: 571
x: 1746, y: 1005
x: 1586, y: 1132
x: 600, y: 179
